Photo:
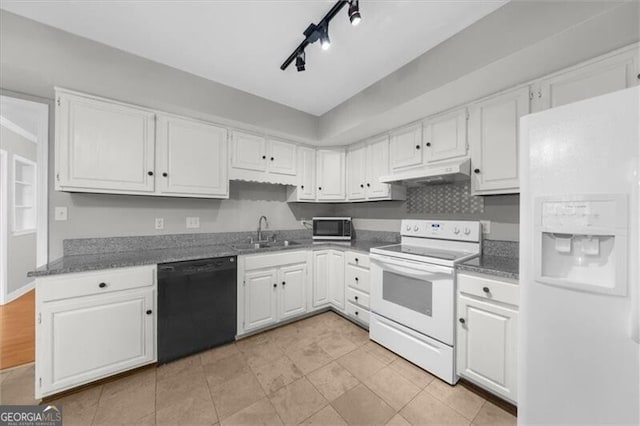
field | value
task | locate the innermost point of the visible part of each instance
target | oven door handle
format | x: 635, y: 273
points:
x: 407, y: 267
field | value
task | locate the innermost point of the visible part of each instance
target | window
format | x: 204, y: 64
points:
x: 24, y: 195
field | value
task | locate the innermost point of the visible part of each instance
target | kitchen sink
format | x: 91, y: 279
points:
x: 258, y: 246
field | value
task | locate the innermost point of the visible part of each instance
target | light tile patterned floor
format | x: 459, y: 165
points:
x: 322, y: 370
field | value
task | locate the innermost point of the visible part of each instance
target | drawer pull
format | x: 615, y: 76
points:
x: 357, y: 279
x: 149, y: 311
x: 486, y: 289
x: 283, y: 283
x: 275, y: 285
x: 102, y: 285
x: 462, y: 321
x: 356, y: 312
x: 357, y: 260
x: 356, y: 298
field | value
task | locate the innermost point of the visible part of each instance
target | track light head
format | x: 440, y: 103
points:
x: 300, y: 61
x: 354, y: 12
x: 325, y: 42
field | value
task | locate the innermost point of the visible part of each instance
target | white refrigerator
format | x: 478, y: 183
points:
x: 579, y: 358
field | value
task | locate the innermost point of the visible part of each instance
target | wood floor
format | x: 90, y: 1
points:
x: 17, y: 331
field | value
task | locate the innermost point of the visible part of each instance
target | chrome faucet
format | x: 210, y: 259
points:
x: 266, y: 225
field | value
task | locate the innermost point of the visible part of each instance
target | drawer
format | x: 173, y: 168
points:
x: 273, y: 260
x: 358, y: 259
x: 357, y: 278
x: 489, y: 289
x: 89, y: 283
x: 358, y: 313
x: 357, y: 297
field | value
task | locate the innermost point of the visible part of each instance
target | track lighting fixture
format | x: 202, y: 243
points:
x: 354, y: 12
x: 320, y: 32
x: 300, y: 61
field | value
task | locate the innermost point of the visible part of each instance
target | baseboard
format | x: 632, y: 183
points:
x: 19, y: 292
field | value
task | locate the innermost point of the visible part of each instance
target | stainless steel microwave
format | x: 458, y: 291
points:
x: 332, y: 228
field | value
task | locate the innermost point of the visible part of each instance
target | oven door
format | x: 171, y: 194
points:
x: 415, y: 294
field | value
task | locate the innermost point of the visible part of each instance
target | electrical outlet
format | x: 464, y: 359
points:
x: 193, y: 222
x: 159, y: 223
x: 61, y: 213
x: 486, y: 226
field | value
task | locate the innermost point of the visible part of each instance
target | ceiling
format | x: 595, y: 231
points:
x: 243, y: 43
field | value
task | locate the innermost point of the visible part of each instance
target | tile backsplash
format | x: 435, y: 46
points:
x: 445, y: 198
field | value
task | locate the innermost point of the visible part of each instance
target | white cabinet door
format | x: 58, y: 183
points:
x: 487, y: 345
x: 192, y: 158
x: 356, y: 173
x: 248, y: 152
x: 260, y: 299
x: 331, y: 175
x: 306, y: 173
x: 103, y: 146
x: 445, y: 137
x: 406, y: 148
x: 493, y: 138
x: 293, y: 283
x: 336, y: 278
x: 282, y: 157
x: 377, y: 165
x: 594, y: 78
x: 87, y: 338
x: 320, y: 296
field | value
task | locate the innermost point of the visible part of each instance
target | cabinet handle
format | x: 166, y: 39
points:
x: 102, y: 285
x: 428, y: 143
x: 165, y: 174
x: 368, y: 185
x: 275, y: 285
x: 150, y: 173
x: 476, y: 171
x: 271, y: 158
x: 361, y: 185
x: 283, y: 283
x: 149, y: 311
x: 356, y: 312
x: 301, y: 186
x: 462, y: 321
x: 417, y: 146
x: 319, y: 188
x: 357, y: 260
x: 355, y: 297
x: 356, y: 278
x: 486, y: 289
x: 264, y: 157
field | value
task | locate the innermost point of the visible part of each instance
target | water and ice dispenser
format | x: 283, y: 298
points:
x: 581, y: 242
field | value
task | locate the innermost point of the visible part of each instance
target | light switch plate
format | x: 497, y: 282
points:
x: 193, y: 222
x: 159, y: 223
x: 61, y: 213
x: 486, y: 226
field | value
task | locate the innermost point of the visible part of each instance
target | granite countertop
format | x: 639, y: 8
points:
x: 499, y: 266
x: 95, y: 262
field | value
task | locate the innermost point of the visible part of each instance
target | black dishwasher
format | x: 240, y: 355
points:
x: 196, y: 306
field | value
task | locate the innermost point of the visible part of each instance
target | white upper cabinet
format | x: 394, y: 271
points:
x: 357, y: 173
x: 493, y: 138
x: 305, y: 190
x: 248, y: 152
x: 282, y: 157
x: 445, y: 136
x: 594, y: 78
x: 330, y: 174
x: 192, y: 158
x: 258, y: 159
x: 406, y: 148
x: 103, y: 146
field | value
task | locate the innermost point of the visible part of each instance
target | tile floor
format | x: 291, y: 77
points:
x: 321, y: 370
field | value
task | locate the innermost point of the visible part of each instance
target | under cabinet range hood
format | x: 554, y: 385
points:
x: 446, y: 172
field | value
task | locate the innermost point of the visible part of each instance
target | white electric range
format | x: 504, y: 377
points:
x: 413, y: 291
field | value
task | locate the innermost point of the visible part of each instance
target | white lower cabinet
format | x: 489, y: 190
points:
x: 328, y: 278
x: 85, y: 335
x: 487, y: 334
x: 357, y: 286
x: 336, y: 279
x: 271, y: 288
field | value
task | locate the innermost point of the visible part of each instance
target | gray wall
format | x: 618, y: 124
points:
x: 36, y: 58
x: 502, y: 210
x: 21, y: 249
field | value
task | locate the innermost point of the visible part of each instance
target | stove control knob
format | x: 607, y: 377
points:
x: 456, y: 230
x: 408, y: 227
x: 467, y: 231
x: 416, y: 228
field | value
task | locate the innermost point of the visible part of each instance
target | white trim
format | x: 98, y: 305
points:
x: 4, y: 208
x: 20, y: 292
x: 8, y: 124
x: 25, y: 161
